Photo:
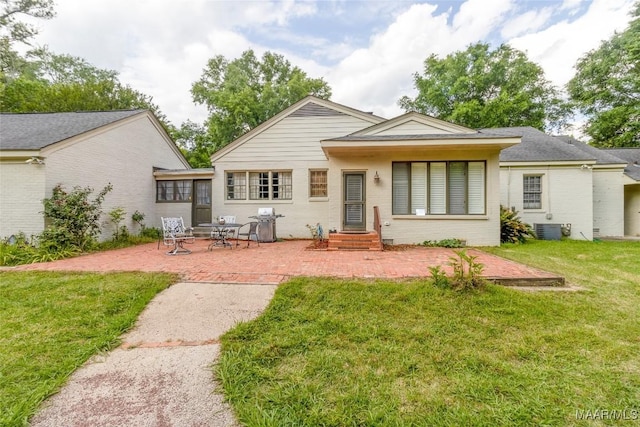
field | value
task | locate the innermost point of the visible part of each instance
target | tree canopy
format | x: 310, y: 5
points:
x: 606, y: 88
x: 47, y: 82
x: 242, y: 93
x: 481, y: 88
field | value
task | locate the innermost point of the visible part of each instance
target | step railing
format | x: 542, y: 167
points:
x: 377, y: 226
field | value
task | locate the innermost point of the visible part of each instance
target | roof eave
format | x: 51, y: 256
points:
x: 343, y: 146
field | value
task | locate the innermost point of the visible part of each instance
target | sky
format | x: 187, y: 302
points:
x: 367, y: 51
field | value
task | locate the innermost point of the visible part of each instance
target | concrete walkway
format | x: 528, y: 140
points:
x: 162, y: 374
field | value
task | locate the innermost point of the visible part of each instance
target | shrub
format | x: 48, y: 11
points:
x: 26, y: 251
x: 117, y: 216
x: 467, y: 273
x: 445, y: 243
x: 439, y: 277
x: 512, y: 228
x: 75, y: 220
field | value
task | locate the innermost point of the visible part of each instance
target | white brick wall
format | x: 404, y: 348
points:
x: 567, y: 196
x: 122, y: 154
x: 21, y: 192
x: 608, y: 201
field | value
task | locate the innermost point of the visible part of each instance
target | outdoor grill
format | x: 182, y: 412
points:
x: 267, y: 224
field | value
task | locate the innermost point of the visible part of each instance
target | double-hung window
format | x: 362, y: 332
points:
x: 439, y: 188
x: 259, y: 185
x: 532, y: 192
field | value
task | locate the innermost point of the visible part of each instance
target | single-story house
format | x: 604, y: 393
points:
x: 40, y: 150
x: 413, y: 177
x: 559, y: 180
x: 631, y: 188
x: 321, y: 162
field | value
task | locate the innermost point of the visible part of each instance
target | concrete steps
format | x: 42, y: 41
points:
x: 368, y: 241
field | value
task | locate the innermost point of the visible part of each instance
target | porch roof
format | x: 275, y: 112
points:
x: 448, y: 141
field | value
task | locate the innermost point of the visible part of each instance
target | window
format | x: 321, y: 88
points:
x: 532, y: 192
x: 174, y: 191
x: 318, y: 183
x: 438, y: 188
x: 262, y: 185
x: 236, y: 185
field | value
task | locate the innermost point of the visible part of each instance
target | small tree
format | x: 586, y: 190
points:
x: 74, y: 219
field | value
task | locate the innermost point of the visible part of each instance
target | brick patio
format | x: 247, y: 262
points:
x: 272, y: 263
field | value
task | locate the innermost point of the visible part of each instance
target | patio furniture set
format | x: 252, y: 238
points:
x: 176, y: 235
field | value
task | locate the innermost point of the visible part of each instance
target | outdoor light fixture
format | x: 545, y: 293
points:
x: 376, y: 177
x: 35, y: 160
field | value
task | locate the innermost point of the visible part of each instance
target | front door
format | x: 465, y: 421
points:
x: 354, y: 201
x: 201, y: 201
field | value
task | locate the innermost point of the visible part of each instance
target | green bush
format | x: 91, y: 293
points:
x: 467, y: 273
x: 445, y: 243
x: 74, y: 219
x: 512, y: 228
x: 26, y: 251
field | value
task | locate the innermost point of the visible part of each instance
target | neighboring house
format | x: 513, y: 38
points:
x: 631, y: 188
x: 322, y: 162
x: 39, y: 151
x: 559, y: 180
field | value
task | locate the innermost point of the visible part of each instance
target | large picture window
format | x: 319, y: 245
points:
x: 174, y: 191
x: 532, y: 192
x: 439, y: 188
x: 262, y: 185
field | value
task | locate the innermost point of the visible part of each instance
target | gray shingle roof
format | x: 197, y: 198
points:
x: 632, y: 157
x: 33, y: 131
x: 602, y: 157
x: 537, y: 146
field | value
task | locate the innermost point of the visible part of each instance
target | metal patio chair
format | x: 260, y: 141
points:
x: 175, y: 234
x: 252, y: 231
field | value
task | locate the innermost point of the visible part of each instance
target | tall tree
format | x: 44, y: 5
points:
x: 480, y: 87
x: 55, y: 83
x: 16, y: 30
x: 243, y: 93
x: 606, y: 88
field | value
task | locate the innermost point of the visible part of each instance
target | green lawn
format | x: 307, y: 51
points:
x: 51, y: 323
x: 349, y: 352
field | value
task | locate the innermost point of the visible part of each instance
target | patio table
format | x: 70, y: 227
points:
x: 219, y: 233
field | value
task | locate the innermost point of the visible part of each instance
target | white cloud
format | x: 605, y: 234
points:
x: 375, y: 78
x: 558, y: 47
x: 526, y: 22
x: 160, y: 47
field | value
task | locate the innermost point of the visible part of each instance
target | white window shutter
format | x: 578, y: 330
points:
x: 438, y: 188
x: 401, y: 188
x: 476, y: 188
x: 418, y: 186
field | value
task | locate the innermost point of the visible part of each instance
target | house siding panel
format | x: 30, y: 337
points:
x: 124, y: 155
x: 291, y: 144
x: 632, y: 210
x: 21, y: 192
x: 567, y: 196
x: 608, y: 202
x: 295, y: 139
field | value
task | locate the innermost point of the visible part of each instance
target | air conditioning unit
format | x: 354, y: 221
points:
x: 548, y: 231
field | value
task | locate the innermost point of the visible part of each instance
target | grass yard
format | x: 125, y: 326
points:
x: 51, y: 323
x: 349, y: 352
